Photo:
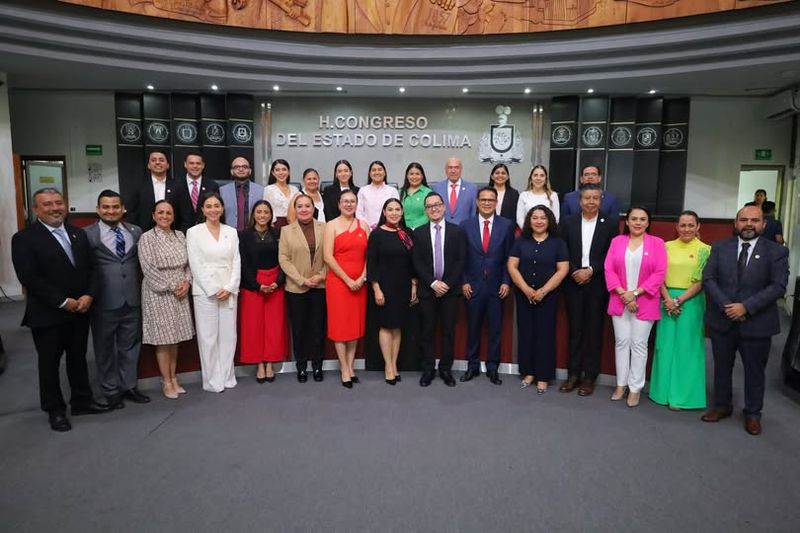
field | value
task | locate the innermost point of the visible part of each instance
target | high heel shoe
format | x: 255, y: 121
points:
x: 398, y: 378
x: 347, y: 384
x: 619, y: 393
x: 270, y: 379
x: 355, y: 379
x: 168, y: 390
x: 391, y: 381
x: 177, y: 387
x: 633, y: 399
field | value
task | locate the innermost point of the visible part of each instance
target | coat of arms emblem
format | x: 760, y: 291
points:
x: 502, y: 144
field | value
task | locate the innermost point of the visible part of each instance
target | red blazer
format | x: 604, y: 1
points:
x: 651, y: 276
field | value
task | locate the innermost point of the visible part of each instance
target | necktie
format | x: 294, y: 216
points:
x: 241, y: 208
x: 486, y: 236
x: 453, y: 198
x: 437, y: 254
x: 195, y: 195
x: 63, y: 240
x: 120, y: 238
x: 742, y: 259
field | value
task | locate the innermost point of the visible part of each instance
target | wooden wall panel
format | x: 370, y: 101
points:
x: 421, y: 17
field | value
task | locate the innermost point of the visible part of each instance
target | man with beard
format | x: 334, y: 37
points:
x: 744, y: 278
x: 240, y: 195
x: 158, y: 187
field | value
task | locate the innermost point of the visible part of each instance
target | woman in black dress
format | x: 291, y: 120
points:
x: 538, y: 263
x: 391, y: 273
x: 342, y: 181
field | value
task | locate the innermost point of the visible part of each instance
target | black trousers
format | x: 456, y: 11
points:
x: 307, y: 316
x: 586, y: 310
x: 51, y: 342
x: 442, y: 311
x: 754, y: 353
x: 536, y: 336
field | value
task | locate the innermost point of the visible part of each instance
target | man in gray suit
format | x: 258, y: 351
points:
x: 116, y: 313
x: 240, y: 195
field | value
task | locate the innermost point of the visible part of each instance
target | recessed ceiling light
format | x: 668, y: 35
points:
x: 465, y: 90
x: 402, y: 89
x: 339, y: 89
x: 527, y: 90
x: 214, y: 87
x: 276, y: 87
x: 651, y: 91
x: 150, y: 87
x: 263, y: 105
x: 590, y: 91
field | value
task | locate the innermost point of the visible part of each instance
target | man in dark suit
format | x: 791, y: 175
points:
x: 190, y: 191
x: 158, y: 187
x: 588, y: 236
x: 53, y: 262
x: 486, y: 281
x: 458, y: 194
x: 116, y: 315
x: 744, y: 278
x: 609, y: 205
x: 439, y: 252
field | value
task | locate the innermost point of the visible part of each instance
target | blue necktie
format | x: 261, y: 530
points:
x: 63, y: 240
x: 120, y: 241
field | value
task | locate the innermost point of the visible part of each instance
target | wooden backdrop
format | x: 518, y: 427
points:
x: 421, y: 17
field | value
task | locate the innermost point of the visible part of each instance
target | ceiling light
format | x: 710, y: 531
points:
x: 651, y: 91
x: 339, y: 89
x: 465, y: 90
x: 590, y: 91
x: 402, y: 89
x: 214, y: 87
x: 263, y: 105
x: 150, y: 87
x: 276, y: 87
x: 527, y: 90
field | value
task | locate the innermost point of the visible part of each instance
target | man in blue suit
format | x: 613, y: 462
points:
x: 240, y: 194
x: 744, y: 278
x: 486, y: 281
x: 458, y: 194
x: 609, y: 205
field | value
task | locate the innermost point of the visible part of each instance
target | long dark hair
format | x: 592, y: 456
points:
x: 499, y: 165
x: 155, y: 208
x: 552, y: 227
x: 251, y: 224
x: 385, y: 174
x: 406, y: 184
x: 272, y: 178
x: 202, y: 202
x: 382, y: 219
x: 626, y: 230
x: 346, y: 163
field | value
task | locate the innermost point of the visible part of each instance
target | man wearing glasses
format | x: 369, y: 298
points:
x: 439, y: 251
x: 609, y: 205
x: 240, y: 194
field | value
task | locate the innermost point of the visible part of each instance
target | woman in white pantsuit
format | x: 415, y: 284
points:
x: 214, y: 260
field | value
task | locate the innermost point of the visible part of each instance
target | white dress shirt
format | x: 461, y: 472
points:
x: 279, y: 201
x: 109, y: 238
x: 160, y: 188
x: 587, y: 234
x: 749, y: 250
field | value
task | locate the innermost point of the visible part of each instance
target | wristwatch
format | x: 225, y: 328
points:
x: 636, y: 293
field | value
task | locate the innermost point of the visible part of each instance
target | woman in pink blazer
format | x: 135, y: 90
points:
x: 635, y: 267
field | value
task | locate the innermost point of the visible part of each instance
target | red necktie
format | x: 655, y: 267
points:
x: 241, y: 208
x: 486, y: 236
x: 453, y: 198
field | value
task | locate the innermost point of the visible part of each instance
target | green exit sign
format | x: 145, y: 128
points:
x: 94, y: 149
x: 763, y: 154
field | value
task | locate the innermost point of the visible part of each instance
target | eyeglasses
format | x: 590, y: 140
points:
x: 487, y: 200
x: 434, y: 206
x: 240, y: 167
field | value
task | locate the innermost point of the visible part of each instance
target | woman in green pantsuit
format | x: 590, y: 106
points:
x: 678, y: 377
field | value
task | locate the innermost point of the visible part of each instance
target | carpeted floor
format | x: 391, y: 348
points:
x: 318, y: 457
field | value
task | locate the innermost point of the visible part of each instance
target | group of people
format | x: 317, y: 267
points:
x: 254, y: 265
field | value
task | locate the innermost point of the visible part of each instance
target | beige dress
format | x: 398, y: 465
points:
x: 165, y: 264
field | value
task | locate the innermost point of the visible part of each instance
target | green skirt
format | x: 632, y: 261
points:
x: 678, y: 377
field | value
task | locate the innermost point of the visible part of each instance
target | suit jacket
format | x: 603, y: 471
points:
x: 609, y: 205
x: 651, y: 276
x: 139, y: 207
x: 185, y: 216
x: 489, y: 267
x: 117, y: 280
x: 605, y: 230
x: 295, y: 259
x: 228, y: 194
x: 763, y: 283
x: 454, y: 252
x: 330, y: 197
x: 44, y: 269
x: 508, y: 209
x: 465, y: 207
x: 215, y: 264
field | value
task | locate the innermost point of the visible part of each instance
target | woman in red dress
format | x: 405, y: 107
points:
x: 264, y: 337
x: 345, y: 252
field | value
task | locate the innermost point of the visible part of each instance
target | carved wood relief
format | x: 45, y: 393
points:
x: 421, y: 17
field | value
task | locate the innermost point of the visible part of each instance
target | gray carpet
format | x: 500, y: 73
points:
x: 318, y: 457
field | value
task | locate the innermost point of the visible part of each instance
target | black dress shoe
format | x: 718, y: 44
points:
x: 391, y: 381
x: 59, y: 422
x: 115, y: 401
x: 347, y: 384
x: 447, y: 377
x: 92, y: 408
x: 494, y: 377
x: 426, y: 378
x: 318, y: 374
x: 302, y: 376
x: 135, y: 396
x: 398, y: 378
x: 261, y: 381
x: 355, y: 379
x: 270, y: 379
x: 469, y: 375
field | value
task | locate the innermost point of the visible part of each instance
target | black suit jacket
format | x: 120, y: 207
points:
x: 330, y: 197
x: 44, y: 269
x: 455, y: 252
x: 763, y: 283
x: 185, y: 216
x: 605, y: 230
x: 139, y: 207
x: 509, y: 207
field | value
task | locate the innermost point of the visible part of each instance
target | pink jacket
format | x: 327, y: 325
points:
x: 651, y: 276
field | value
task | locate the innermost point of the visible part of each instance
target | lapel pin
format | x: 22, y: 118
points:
x: 602, y: 220
x: 758, y: 256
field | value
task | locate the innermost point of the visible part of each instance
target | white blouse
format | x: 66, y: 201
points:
x: 276, y: 198
x: 633, y: 265
x: 215, y: 264
x: 528, y: 199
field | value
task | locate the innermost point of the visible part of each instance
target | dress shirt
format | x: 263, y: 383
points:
x: 442, y: 225
x: 370, y: 202
x: 587, y: 234
x: 278, y: 201
x: 450, y: 188
x: 159, y: 188
x: 749, y: 250
x: 109, y: 238
x: 52, y: 230
x: 189, y: 182
x: 480, y: 225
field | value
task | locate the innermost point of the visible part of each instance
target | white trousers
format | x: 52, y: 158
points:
x: 215, y: 323
x: 631, y: 335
